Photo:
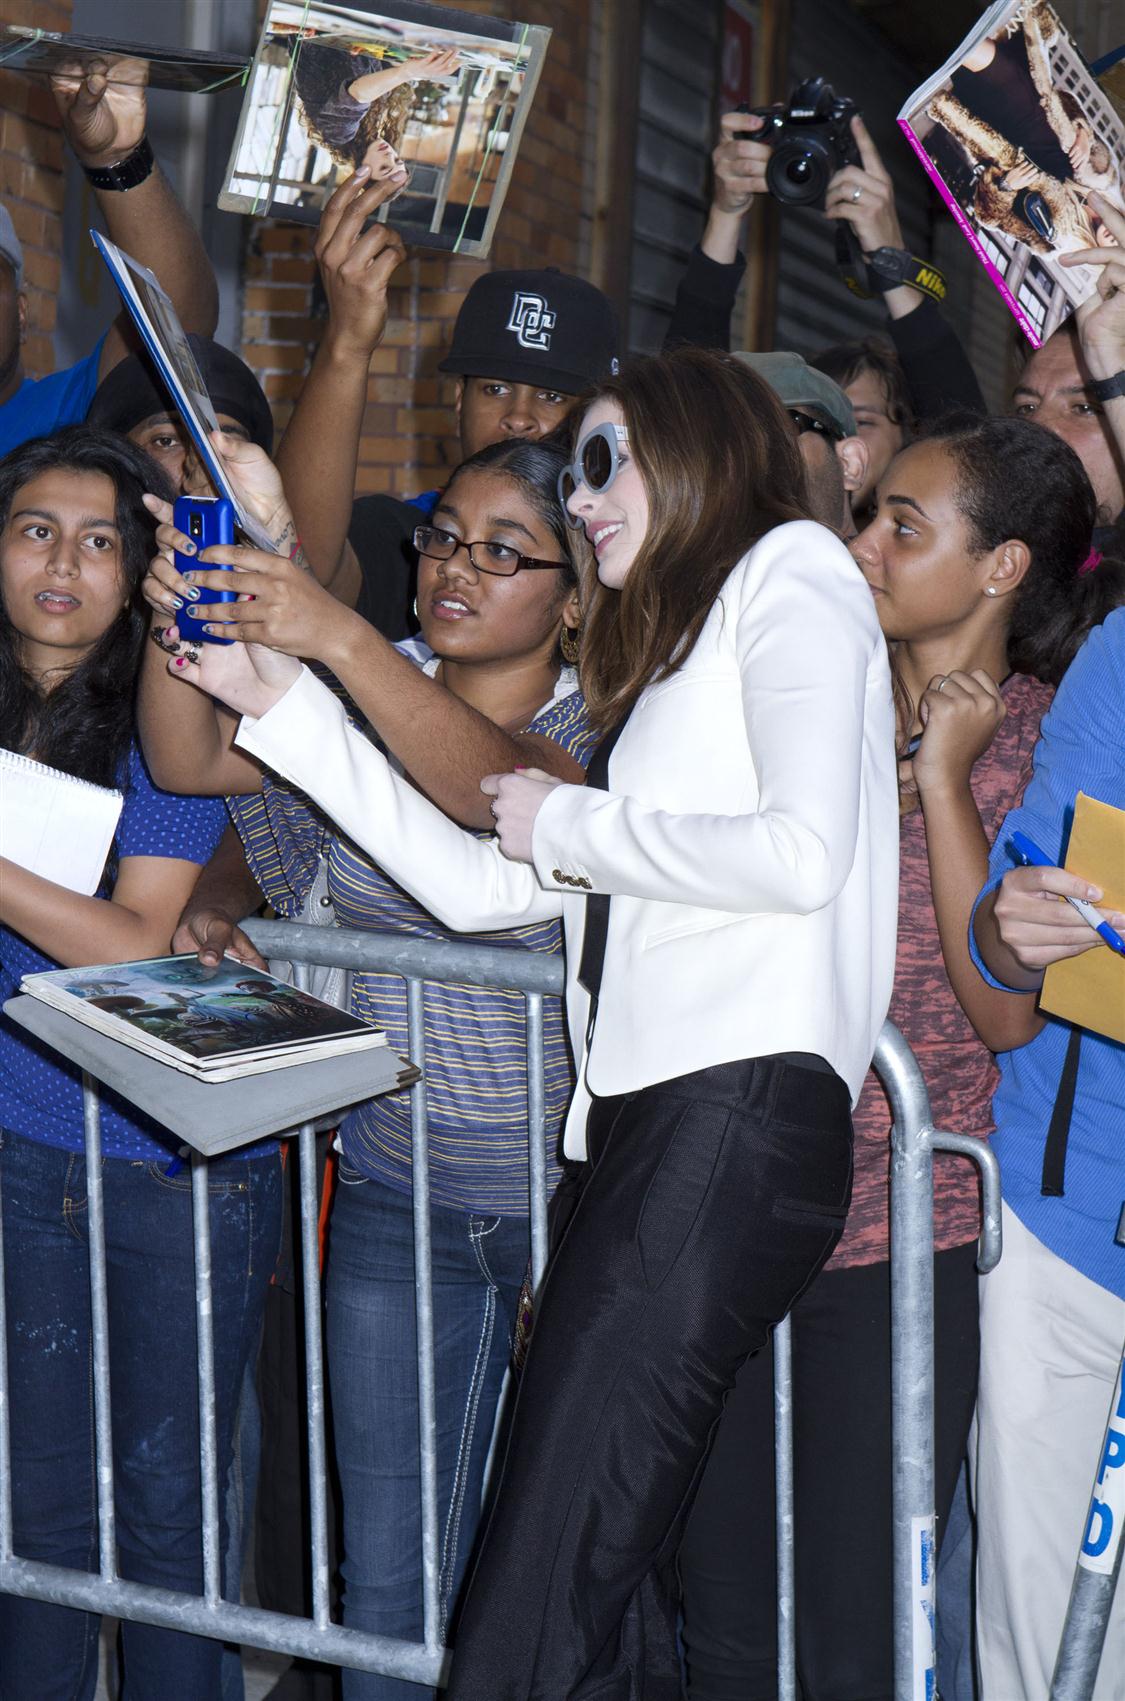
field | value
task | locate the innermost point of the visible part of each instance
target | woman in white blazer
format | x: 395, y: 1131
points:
x: 727, y: 881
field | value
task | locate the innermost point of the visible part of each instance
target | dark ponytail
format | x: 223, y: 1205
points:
x: 1015, y: 479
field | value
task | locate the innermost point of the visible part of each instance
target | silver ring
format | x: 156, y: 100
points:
x: 944, y: 683
x: 856, y: 193
x: 492, y: 810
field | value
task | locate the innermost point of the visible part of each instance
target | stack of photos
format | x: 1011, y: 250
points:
x: 431, y: 99
x: 1016, y: 132
x: 215, y: 1025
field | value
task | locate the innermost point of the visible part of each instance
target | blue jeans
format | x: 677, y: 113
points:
x: 479, y: 1263
x: 50, y: 1653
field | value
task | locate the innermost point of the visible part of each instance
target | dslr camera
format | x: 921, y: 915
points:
x: 811, y: 139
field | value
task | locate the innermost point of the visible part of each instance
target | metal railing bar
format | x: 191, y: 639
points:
x: 424, y: 1315
x: 251, y: 1626
x: 536, y: 1137
x: 5, y: 1415
x: 99, y: 1323
x: 783, y: 1511
x: 912, y: 1365
x: 415, y: 959
x: 314, y: 1374
x: 205, y: 1352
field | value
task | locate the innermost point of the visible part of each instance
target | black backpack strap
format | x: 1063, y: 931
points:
x: 1058, y: 1133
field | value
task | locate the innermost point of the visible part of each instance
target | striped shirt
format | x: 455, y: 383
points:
x: 476, y: 1038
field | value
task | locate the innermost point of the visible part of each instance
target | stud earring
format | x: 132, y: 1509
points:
x: 990, y: 590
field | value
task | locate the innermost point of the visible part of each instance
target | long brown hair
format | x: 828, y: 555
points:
x: 721, y: 468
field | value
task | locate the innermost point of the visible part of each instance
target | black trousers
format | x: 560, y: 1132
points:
x: 842, y: 1487
x: 707, y: 1205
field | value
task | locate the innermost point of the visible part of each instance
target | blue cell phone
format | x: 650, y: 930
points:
x: 206, y: 520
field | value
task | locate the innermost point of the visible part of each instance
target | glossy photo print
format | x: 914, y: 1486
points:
x: 432, y: 98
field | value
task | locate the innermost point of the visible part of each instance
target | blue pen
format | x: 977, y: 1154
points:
x: 1030, y: 854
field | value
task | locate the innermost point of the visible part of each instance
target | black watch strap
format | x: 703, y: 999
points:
x: 128, y: 172
x: 1108, y: 389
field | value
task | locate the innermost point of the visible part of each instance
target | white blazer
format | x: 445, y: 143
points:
x: 749, y: 838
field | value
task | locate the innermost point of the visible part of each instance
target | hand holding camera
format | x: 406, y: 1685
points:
x: 864, y: 197
x: 739, y: 162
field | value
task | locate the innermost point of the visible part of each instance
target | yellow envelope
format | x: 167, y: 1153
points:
x: 1090, y: 990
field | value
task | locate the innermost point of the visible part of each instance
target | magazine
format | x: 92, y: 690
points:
x: 432, y: 99
x: 1015, y: 132
x: 215, y: 1025
x: 159, y: 324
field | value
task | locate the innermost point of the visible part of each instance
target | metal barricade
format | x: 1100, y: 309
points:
x: 536, y: 975
x: 914, y: 1140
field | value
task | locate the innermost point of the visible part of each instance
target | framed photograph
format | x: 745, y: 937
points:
x: 434, y: 98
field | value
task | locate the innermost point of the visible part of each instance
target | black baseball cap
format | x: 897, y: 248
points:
x: 535, y: 327
x: 132, y: 391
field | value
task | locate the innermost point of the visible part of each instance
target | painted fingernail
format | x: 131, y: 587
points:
x: 194, y: 594
x: 177, y: 602
x: 188, y: 548
x: 180, y: 661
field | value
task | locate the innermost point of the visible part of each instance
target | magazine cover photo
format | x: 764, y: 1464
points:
x: 430, y: 99
x: 1018, y: 134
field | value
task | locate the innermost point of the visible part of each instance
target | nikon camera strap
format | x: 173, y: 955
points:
x: 883, y: 269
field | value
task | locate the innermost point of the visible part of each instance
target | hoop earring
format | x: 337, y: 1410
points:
x: 570, y: 643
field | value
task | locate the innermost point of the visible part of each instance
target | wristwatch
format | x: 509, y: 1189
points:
x: 128, y: 172
x: 1108, y: 389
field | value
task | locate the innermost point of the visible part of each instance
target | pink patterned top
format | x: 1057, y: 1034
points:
x: 959, y: 1071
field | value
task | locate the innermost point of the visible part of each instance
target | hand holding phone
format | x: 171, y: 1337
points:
x: 207, y: 520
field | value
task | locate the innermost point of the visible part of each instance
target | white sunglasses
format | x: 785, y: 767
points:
x: 596, y: 464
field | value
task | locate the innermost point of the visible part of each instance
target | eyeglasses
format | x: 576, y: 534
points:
x: 496, y: 558
x: 805, y: 422
x: 596, y: 464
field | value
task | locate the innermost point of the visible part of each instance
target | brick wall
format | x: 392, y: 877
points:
x: 31, y: 180
x: 407, y: 442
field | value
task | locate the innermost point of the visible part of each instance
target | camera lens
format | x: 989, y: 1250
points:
x: 798, y: 172
x: 195, y: 525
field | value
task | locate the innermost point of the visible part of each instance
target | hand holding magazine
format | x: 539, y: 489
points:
x: 1017, y: 135
x: 214, y: 1026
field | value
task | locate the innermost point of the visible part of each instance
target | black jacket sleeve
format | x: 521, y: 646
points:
x: 705, y: 302
x: 937, y: 368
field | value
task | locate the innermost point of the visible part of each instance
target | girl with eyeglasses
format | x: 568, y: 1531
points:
x: 488, y: 681
x: 727, y: 882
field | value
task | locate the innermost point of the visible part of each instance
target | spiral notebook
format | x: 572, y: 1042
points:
x: 55, y: 825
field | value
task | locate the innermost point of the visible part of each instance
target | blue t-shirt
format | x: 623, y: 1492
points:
x: 40, y: 1093
x: 42, y: 405
x: 1082, y: 748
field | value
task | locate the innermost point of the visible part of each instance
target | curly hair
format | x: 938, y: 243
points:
x: 85, y: 724
x: 319, y: 73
